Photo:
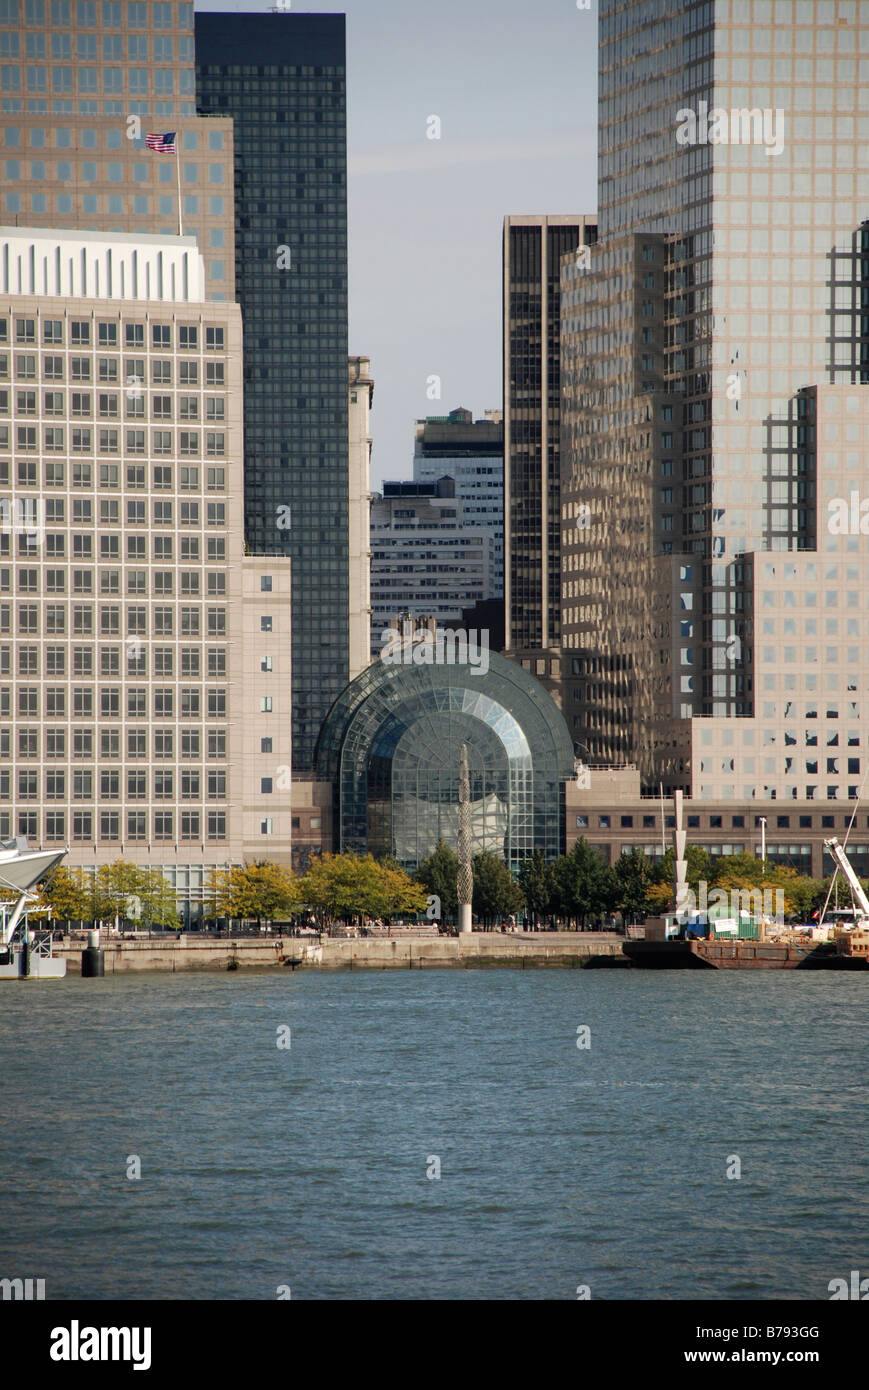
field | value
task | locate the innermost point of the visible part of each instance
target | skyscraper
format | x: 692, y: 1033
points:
x: 533, y: 247
x: 713, y: 359
x: 282, y: 79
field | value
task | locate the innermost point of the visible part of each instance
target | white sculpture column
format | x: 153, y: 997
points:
x: 465, y: 875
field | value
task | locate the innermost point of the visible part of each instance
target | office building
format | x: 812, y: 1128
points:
x: 472, y: 453
x: 425, y: 562
x: 281, y: 77
x: 715, y: 404
x: 144, y: 658
x: 532, y: 252
x: 82, y: 85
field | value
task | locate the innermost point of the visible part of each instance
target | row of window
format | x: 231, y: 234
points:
x: 80, y: 785
x: 107, y: 370
x: 65, y: 137
x: 190, y: 825
x: 113, y: 14
x: 82, y: 704
x: 63, y: 106
x: 61, y: 48
x: 163, y: 619
x: 82, y: 582
x: 82, y: 475
x: 81, y: 441
x: 24, y: 516
x: 114, y: 172
x: 607, y: 822
x: 82, y: 624
x: 108, y: 333
x: 112, y: 661
x: 81, y: 405
x: 86, y: 80
x: 110, y: 548
x: 82, y: 744
x: 114, y: 206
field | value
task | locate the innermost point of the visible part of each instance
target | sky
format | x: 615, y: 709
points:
x: 514, y: 84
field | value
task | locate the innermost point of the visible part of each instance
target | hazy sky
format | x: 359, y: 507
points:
x: 514, y: 83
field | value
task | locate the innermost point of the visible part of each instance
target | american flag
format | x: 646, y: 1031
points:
x: 163, y: 144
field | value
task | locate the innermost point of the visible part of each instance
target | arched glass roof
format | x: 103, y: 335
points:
x: 391, y: 743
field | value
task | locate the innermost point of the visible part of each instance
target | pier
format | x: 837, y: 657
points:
x: 569, y: 950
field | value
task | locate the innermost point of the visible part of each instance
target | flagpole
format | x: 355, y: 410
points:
x: 178, y: 172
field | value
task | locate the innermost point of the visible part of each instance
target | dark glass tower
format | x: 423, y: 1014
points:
x: 282, y: 79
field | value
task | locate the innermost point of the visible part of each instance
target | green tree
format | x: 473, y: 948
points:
x: 263, y: 891
x: 68, y: 893
x: 586, y: 886
x: 158, y: 899
x: 438, y: 875
x: 350, y: 886
x: 400, y: 892
x: 117, y: 885
x: 634, y: 881
x: 496, y: 892
x: 537, y: 881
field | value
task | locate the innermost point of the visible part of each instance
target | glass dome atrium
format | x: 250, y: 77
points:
x: 390, y: 746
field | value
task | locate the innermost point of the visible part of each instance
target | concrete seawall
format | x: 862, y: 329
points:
x: 565, y: 950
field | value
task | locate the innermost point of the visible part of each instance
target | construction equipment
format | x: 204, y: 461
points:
x: 857, y: 894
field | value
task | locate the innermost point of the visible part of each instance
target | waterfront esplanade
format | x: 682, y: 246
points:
x: 390, y: 747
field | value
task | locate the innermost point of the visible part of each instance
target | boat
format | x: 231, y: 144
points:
x: 30, y: 955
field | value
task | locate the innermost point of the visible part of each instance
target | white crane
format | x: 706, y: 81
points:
x: 857, y: 893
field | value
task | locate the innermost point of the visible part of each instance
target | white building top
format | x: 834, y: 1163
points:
x: 101, y: 265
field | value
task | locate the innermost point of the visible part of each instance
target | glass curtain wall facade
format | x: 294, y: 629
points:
x: 391, y: 747
x: 282, y: 79
x: 532, y: 251
x: 733, y: 184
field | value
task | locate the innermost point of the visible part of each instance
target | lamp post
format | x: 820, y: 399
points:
x: 762, y: 820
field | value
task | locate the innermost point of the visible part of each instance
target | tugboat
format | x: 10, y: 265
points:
x: 30, y: 955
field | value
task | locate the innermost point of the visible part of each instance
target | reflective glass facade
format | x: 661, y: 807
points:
x: 391, y: 748
x: 282, y: 79
x: 734, y: 182
x: 533, y: 247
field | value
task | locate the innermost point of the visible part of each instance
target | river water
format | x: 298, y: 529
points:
x: 313, y: 1167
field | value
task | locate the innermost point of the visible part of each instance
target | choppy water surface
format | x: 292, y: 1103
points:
x: 307, y: 1166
